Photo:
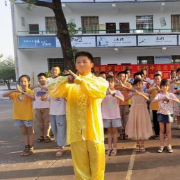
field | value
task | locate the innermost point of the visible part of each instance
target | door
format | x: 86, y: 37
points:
x: 33, y: 28
x: 124, y: 27
x: 110, y: 27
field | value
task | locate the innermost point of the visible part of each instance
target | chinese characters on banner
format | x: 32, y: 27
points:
x: 165, y: 68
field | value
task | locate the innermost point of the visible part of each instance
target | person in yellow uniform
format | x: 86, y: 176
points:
x: 84, y: 119
x: 23, y: 112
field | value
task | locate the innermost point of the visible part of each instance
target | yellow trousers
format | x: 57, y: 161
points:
x: 88, y: 160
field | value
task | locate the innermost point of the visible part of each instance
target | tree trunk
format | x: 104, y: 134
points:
x: 64, y: 38
x: 62, y: 33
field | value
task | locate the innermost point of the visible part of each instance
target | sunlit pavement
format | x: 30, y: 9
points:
x: 43, y: 164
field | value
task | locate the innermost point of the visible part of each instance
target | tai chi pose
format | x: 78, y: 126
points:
x: 84, y: 119
x: 111, y: 115
x: 139, y: 123
x: 23, y: 112
x: 165, y: 113
x: 41, y: 109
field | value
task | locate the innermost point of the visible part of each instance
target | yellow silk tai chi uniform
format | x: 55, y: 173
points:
x: 84, y: 122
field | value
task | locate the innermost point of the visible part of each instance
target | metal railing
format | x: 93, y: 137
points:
x: 117, y: 31
x: 95, y: 1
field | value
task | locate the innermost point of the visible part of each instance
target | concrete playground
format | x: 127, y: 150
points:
x: 43, y: 165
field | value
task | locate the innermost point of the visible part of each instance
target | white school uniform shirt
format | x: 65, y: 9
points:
x: 38, y: 103
x: 57, y: 105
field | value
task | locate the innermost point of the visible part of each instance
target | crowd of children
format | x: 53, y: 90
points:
x: 161, y: 94
x: 129, y: 118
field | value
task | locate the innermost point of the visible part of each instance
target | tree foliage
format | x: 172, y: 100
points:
x: 63, y: 33
x: 7, y: 71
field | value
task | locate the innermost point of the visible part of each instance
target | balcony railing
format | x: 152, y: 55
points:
x: 100, y: 1
x: 118, y: 31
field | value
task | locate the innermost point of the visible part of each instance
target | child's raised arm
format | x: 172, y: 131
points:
x: 25, y: 93
x: 176, y: 100
x: 118, y: 97
x: 29, y: 95
x: 121, y: 98
x: 143, y: 95
x: 157, y: 100
x: 6, y: 94
x: 44, y: 97
x: 130, y: 96
x: 127, y: 88
x: 39, y: 85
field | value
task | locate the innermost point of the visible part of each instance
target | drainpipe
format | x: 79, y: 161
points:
x: 15, y: 43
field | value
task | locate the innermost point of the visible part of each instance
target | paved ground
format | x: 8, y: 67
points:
x: 43, y: 165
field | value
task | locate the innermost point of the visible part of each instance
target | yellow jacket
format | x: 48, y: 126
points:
x: 83, y: 110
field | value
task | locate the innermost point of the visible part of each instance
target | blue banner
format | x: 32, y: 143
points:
x: 37, y: 42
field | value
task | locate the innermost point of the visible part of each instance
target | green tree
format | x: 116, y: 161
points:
x: 7, y: 71
x: 62, y: 29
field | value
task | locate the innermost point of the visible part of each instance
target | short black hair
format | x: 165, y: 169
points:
x: 177, y: 70
x: 26, y: 76
x: 56, y: 66
x: 155, y: 75
x: 86, y: 54
x: 122, y: 72
x: 137, y: 80
x: 137, y: 73
x: 157, y: 71
x: 164, y: 82
x: 102, y: 72
x: 42, y: 74
x: 172, y: 71
x: 128, y: 70
x: 144, y: 69
x: 109, y: 78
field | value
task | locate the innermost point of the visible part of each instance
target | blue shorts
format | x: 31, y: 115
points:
x: 165, y: 118
x: 112, y: 123
x: 27, y: 123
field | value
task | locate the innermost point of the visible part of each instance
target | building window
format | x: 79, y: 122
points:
x: 23, y: 21
x: 145, y: 60
x: 51, y: 27
x: 90, y: 24
x: 110, y: 27
x: 144, y: 24
x: 56, y: 61
x: 176, y: 59
x: 124, y: 27
x: 175, y: 23
x: 33, y: 28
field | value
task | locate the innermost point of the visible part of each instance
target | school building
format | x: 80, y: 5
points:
x: 114, y: 31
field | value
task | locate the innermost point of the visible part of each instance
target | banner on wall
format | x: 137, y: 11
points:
x: 157, y: 40
x: 114, y: 0
x: 116, y: 41
x: 63, y: 1
x: 165, y: 68
x: 37, y: 42
x: 78, y: 41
